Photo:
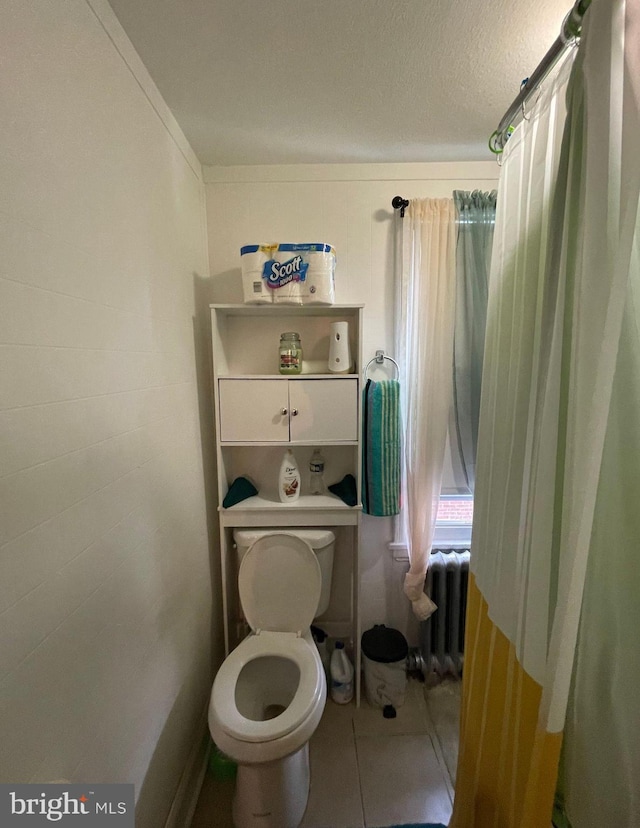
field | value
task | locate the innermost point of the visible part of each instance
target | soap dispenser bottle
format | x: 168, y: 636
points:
x: 289, y: 478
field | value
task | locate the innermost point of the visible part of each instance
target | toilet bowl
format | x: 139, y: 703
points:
x: 269, y: 694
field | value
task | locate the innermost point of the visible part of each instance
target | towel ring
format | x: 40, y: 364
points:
x: 379, y: 358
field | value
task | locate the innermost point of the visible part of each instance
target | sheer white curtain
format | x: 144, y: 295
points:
x: 425, y: 345
x: 513, y: 569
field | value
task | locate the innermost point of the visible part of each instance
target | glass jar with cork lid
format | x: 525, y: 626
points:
x: 290, y: 360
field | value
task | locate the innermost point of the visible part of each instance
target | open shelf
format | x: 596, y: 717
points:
x: 293, y: 377
x: 313, y: 502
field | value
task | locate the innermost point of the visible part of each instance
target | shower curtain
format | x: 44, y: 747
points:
x: 564, y: 279
x: 426, y: 301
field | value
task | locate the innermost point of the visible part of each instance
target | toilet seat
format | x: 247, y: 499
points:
x: 310, y: 686
x: 279, y: 583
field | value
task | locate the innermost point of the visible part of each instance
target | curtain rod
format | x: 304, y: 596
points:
x: 570, y: 32
x: 399, y: 203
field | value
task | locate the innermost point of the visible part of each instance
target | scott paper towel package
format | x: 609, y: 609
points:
x: 292, y: 274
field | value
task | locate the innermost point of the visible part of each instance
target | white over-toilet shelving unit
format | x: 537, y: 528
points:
x: 258, y: 414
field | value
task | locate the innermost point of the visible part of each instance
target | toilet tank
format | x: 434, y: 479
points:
x: 322, y: 541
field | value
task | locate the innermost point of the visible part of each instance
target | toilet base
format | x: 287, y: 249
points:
x: 272, y: 794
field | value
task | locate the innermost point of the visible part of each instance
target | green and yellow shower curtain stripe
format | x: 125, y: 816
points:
x: 561, y: 385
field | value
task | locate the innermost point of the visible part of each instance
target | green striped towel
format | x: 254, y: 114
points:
x: 381, y: 448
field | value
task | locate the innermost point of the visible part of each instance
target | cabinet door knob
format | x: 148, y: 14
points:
x: 294, y: 412
x: 283, y: 411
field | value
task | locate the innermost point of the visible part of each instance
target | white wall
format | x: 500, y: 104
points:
x: 348, y: 206
x: 106, y: 625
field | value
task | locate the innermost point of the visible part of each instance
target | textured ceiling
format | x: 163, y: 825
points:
x: 296, y: 81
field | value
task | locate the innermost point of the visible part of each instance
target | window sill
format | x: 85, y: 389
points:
x: 444, y: 537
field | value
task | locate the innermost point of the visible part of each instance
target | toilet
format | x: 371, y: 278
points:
x: 269, y: 694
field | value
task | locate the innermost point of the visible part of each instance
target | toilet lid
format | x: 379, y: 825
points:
x: 279, y: 584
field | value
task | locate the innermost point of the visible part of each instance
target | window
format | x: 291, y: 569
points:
x: 455, y: 516
x: 455, y: 513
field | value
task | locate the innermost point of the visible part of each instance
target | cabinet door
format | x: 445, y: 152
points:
x: 251, y: 410
x: 327, y: 409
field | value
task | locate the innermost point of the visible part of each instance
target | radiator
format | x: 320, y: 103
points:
x: 442, y: 634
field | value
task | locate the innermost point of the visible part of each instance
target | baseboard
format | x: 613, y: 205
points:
x: 184, y: 802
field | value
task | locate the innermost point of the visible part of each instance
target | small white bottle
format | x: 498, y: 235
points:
x: 341, y: 675
x: 316, y: 473
x: 289, y: 479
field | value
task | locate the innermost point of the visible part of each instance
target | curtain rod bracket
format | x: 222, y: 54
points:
x: 399, y: 203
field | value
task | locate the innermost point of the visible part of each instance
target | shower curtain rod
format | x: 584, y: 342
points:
x: 570, y: 32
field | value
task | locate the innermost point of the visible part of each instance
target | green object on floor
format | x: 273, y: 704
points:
x: 220, y: 766
x: 420, y: 825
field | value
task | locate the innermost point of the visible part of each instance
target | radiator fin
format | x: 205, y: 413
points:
x: 442, y: 634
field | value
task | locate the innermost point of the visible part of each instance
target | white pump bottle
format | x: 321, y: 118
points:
x: 289, y: 478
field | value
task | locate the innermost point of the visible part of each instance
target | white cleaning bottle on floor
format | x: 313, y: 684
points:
x: 289, y: 478
x: 341, y: 675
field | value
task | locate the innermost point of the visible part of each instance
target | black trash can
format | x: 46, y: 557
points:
x: 384, y: 655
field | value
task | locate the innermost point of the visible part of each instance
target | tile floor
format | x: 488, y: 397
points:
x: 368, y: 771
